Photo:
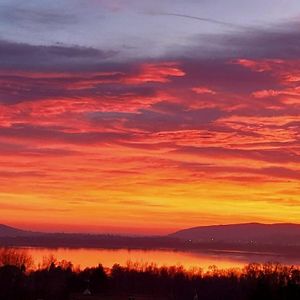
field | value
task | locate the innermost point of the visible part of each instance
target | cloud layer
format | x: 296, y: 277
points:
x: 209, y: 131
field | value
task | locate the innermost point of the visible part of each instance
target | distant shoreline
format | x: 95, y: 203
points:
x: 244, y: 239
x: 147, y: 243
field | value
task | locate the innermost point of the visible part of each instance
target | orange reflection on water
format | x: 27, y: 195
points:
x: 92, y: 257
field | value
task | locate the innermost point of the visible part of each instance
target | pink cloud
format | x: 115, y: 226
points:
x: 203, y: 90
x: 160, y: 72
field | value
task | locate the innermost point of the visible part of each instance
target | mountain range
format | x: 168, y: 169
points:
x: 243, y: 233
x: 7, y: 231
x: 250, y: 236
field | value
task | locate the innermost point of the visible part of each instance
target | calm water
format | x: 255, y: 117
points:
x: 92, y: 257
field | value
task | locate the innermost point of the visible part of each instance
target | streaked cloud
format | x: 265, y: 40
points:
x: 204, y: 125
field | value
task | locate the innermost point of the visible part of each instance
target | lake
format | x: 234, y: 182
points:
x: 92, y: 257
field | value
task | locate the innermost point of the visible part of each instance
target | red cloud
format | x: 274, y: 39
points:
x: 160, y: 72
x: 203, y: 90
x: 149, y: 129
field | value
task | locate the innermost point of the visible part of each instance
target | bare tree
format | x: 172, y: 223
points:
x: 15, y: 257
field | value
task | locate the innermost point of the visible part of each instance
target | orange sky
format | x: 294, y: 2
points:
x: 146, y: 117
x: 151, y: 149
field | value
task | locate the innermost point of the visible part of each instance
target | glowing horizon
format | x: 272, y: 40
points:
x: 169, y: 123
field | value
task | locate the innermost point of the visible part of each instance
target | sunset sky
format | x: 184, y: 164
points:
x: 144, y: 117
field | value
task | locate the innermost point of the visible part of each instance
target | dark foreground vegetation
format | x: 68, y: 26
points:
x: 60, y: 281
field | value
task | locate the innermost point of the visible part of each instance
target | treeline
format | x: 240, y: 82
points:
x: 59, y: 280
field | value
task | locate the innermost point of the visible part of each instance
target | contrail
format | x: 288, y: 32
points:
x: 208, y: 20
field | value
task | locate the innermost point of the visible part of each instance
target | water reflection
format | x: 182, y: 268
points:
x: 92, y: 257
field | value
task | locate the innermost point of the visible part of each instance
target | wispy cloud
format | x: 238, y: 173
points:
x: 201, y: 19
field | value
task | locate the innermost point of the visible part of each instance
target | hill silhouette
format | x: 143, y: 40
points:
x: 7, y: 231
x: 280, y: 233
x: 251, y: 237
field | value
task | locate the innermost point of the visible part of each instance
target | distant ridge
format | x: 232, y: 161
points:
x: 280, y: 238
x: 7, y: 231
x: 248, y: 232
